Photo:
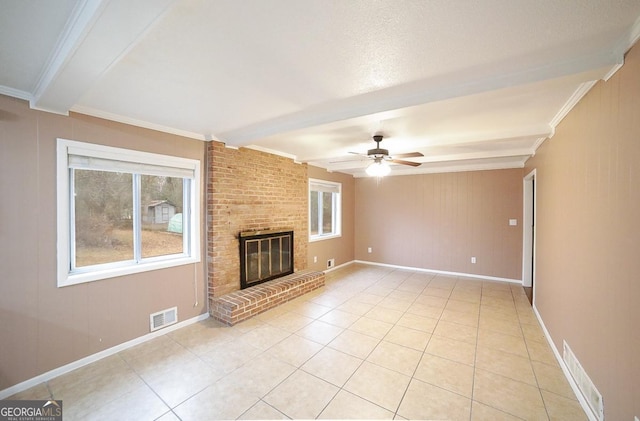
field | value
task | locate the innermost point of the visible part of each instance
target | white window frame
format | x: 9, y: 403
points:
x: 331, y: 187
x: 145, y: 163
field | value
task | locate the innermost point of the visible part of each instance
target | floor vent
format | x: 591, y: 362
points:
x: 586, y: 386
x: 163, y: 318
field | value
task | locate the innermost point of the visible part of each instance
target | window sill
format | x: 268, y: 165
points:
x: 112, y: 272
x: 324, y: 237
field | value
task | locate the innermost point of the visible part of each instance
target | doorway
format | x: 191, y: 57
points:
x: 529, y: 236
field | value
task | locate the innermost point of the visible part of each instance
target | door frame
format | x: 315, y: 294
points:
x: 529, y: 220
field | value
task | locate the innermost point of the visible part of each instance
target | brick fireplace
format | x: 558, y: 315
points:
x: 265, y: 255
x: 249, y: 190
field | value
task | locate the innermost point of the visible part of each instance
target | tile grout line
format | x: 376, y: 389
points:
x: 475, y: 357
x: 153, y: 389
x: 535, y: 376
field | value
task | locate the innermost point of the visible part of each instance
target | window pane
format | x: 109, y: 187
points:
x: 327, y: 213
x: 161, y: 200
x: 103, y: 217
x: 313, y: 212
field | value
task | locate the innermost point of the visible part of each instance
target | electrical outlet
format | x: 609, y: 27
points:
x: 473, y: 260
x: 315, y: 259
x: 331, y: 263
x: 369, y: 250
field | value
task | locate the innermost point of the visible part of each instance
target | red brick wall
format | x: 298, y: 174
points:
x: 248, y: 190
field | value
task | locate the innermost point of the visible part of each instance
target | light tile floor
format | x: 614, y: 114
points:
x: 375, y: 343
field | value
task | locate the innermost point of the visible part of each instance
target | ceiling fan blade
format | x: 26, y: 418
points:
x: 358, y: 153
x: 401, y: 162
x: 408, y: 155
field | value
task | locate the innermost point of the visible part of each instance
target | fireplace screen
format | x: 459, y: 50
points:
x: 265, y: 255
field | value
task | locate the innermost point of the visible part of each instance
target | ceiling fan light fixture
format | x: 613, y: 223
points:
x: 378, y: 168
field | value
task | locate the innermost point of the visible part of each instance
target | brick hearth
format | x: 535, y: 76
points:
x: 243, y: 304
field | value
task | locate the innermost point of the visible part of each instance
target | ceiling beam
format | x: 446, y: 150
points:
x: 515, y: 162
x: 484, y: 155
x: 463, y: 83
x: 97, y: 35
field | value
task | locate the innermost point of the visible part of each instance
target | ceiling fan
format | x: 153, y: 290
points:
x: 381, y: 159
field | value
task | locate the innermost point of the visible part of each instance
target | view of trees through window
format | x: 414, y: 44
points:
x: 104, y: 216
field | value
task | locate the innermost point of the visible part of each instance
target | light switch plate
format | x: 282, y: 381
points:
x: 513, y: 222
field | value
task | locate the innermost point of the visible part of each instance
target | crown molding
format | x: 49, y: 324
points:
x: 15, y: 93
x: 138, y: 123
x: 577, y: 95
x: 273, y: 152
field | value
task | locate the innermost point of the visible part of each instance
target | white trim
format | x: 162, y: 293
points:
x: 15, y: 93
x: 339, y: 266
x: 540, y: 141
x: 528, y: 235
x: 97, y: 274
x: 337, y: 209
x: 324, y: 237
x: 571, y: 102
x: 442, y: 272
x: 96, y: 357
x: 273, y: 152
x: 73, y: 147
x: 574, y: 386
x: 623, y: 45
x: 80, y: 109
x: 614, y: 69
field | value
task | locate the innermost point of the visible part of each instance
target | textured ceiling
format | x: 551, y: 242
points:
x: 471, y: 85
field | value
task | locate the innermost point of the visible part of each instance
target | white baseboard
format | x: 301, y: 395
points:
x: 339, y: 266
x: 95, y: 357
x: 442, y: 272
x: 574, y: 386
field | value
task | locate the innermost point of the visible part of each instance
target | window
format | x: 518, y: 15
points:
x: 122, y: 211
x: 324, y: 209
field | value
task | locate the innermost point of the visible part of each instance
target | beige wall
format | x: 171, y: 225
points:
x: 587, y: 285
x: 43, y: 327
x: 341, y: 249
x: 440, y: 221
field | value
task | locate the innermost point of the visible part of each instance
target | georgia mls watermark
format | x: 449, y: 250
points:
x: 31, y: 410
